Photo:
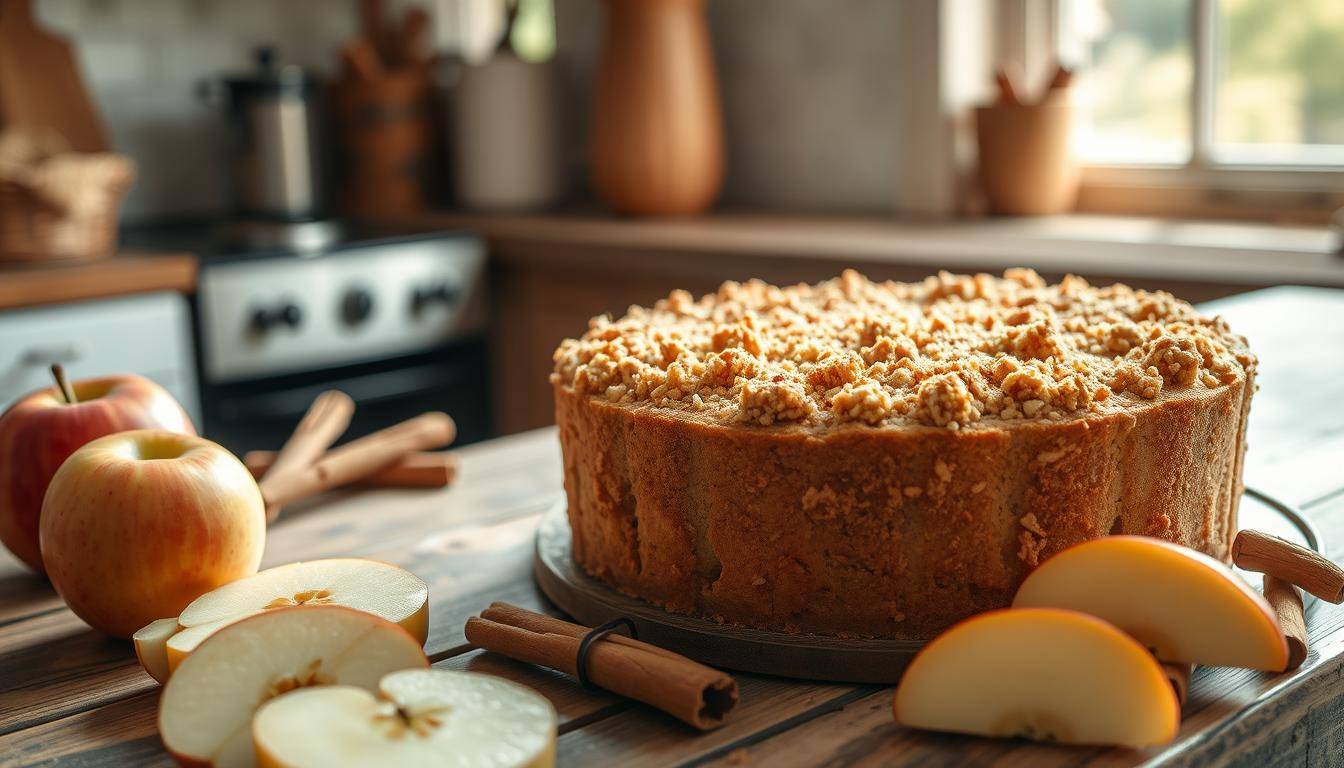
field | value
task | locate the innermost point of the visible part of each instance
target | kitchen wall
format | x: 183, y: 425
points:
x: 811, y: 90
x: 144, y: 61
x: 811, y: 96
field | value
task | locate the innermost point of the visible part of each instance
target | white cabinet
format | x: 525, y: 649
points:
x: 148, y: 334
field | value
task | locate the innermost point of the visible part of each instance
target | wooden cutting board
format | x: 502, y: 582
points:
x: 40, y: 83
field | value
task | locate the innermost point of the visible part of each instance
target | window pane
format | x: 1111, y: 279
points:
x: 1280, y: 81
x: 1134, y: 73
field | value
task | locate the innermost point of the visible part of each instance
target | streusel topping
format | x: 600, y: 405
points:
x: 950, y: 351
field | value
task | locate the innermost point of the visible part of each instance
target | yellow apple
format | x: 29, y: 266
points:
x: 205, y: 713
x: 1040, y: 673
x: 138, y: 524
x: 421, y: 717
x: 1182, y: 604
x: 39, y: 432
x: 379, y: 588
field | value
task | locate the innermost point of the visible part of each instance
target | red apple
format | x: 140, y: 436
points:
x: 40, y: 432
x: 138, y: 524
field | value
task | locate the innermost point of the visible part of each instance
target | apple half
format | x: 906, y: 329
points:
x: 1183, y: 605
x: 421, y: 717
x: 205, y: 712
x: 1041, y: 673
x: 376, y: 587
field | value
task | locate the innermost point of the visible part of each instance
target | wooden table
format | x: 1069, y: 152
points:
x: 70, y: 697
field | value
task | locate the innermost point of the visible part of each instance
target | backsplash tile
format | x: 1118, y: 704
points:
x: 145, y: 61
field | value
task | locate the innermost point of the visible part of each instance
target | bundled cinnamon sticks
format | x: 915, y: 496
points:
x: 304, y: 467
x: 1288, y: 566
x: 689, y: 691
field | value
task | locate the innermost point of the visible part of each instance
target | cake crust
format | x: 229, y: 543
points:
x: 836, y: 522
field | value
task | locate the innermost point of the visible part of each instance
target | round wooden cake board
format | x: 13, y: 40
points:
x: 811, y: 657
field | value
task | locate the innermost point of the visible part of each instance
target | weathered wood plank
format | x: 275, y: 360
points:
x: 459, y: 587
x: 126, y: 733
x: 654, y: 739
x: 472, y: 544
x: 341, y: 520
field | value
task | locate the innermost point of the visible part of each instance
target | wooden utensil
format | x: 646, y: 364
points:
x: 371, y: 22
x: 361, y: 458
x: 361, y: 58
x: 1059, y: 81
x: 423, y: 469
x: 1004, y: 80
x: 40, y: 83
x: 412, y: 45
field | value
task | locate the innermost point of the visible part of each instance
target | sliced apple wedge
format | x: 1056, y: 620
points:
x: 1040, y: 673
x: 205, y: 712
x: 420, y: 718
x: 151, y: 646
x: 1183, y: 605
x: 367, y: 585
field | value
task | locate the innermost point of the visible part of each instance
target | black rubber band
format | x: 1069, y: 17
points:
x: 586, y: 645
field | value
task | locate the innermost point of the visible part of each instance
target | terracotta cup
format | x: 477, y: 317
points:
x: 1026, y: 168
x: 657, y: 129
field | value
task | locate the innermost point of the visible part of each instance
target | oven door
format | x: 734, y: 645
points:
x: 262, y: 413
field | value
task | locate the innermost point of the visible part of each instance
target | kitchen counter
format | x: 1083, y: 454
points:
x: 24, y: 285
x: 1129, y: 248
x: 73, y: 697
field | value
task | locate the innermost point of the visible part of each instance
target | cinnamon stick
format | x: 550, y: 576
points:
x: 422, y: 469
x: 689, y: 691
x: 321, y: 426
x: 1287, y: 603
x: 361, y: 458
x: 1258, y: 551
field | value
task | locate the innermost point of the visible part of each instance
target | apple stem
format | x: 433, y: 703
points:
x: 63, y: 384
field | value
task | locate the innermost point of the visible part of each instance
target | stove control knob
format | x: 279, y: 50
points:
x: 445, y: 293
x: 264, y: 319
x: 356, y: 306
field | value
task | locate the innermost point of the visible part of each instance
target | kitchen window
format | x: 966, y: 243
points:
x: 1203, y: 107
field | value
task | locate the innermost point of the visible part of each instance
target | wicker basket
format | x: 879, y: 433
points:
x: 36, y: 225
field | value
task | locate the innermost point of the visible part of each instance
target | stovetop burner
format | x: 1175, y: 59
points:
x: 302, y: 237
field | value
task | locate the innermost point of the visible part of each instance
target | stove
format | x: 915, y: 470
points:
x: 397, y: 323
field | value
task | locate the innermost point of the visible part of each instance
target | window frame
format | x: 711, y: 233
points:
x: 1203, y: 185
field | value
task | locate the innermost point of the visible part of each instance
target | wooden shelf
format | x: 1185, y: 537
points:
x: 120, y: 275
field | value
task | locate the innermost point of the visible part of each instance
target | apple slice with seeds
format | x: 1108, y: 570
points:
x: 1182, y: 604
x: 367, y: 585
x: 1040, y: 673
x: 421, y: 717
x: 151, y: 646
x: 205, y: 712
